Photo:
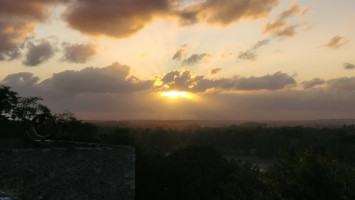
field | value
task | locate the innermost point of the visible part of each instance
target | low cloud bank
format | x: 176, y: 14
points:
x: 112, y: 92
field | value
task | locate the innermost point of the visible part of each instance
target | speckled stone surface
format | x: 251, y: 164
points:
x: 74, y: 173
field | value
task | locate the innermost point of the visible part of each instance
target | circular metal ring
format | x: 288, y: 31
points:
x: 43, y: 126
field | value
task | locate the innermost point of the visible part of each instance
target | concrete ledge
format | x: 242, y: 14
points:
x: 71, y: 173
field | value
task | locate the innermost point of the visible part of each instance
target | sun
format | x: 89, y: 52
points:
x: 177, y: 94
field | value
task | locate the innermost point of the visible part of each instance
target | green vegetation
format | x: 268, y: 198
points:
x: 207, y: 163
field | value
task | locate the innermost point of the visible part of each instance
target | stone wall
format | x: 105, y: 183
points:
x: 70, y: 173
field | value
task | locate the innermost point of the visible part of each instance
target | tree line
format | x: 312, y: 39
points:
x: 195, y: 163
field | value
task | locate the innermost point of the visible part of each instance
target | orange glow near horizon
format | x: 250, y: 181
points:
x: 177, y: 94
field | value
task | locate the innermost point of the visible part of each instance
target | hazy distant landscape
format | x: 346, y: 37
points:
x: 182, y: 124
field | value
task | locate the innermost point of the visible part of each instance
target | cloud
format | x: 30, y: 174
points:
x: 345, y: 83
x: 29, y: 9
x: 287, y: 104
x: 260, y: 44
x: 27, y: 84
x: 108, y: 93
x: 312, y: 83
x: 195, y: 59
x: 250, y: 54
x: 122, y: 18
x: 281, y: 27
x: 92, y: 90
x: 115, y: 18
x: 275, y: 81
x: 113, y: 78
x: 185, y: 81
x: 17, y: 22
x: 179, y: 53
x: 216, y: 70
x: 349, y: 66
x: 12, y: 36
x: 336, y: 42
x: 189, y: 60
x: 22, y: 79
x: 225, y: 12
x: 37, y: 54
x: 247, y: 55
x: 78, y: 53
x: 111, y: 93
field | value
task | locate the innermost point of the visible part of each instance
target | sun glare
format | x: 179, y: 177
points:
x: 177, y: 94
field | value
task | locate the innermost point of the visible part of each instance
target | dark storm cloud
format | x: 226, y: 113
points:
x: 281, y: 27
x: 186, y: 81
x: 349, y: 66
x: 122, y: 18
x: 215, y: 70
x: 336, y: 42
x: 250, y: 54
x: 194, y: 59
x: 78, y: 53
x: 37, y: 54
x: 312, y: 83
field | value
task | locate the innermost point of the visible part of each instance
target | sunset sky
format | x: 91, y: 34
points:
x: 223, y: 59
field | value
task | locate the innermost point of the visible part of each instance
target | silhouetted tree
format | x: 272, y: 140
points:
x: 14, y: 107
x: 17, y: 111
x: 29, y: 107
x: 8, y: 102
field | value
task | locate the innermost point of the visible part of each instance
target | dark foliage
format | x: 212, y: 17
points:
x: 313, y: 163
x: 8, y: 102
x: 307, y: 175
x: 71, y: 129
x: 194, y: 173
x: 16, y: 112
